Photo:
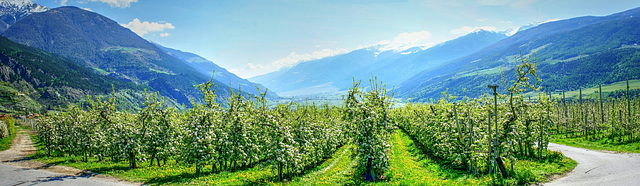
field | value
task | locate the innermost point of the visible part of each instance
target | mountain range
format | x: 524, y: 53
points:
x: 101, y: 44
x: 571, y: 53
x: 53, y: 56
x: 210, y: 69
x: 336, y: 73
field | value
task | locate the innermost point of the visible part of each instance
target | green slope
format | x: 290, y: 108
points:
x: 35, y: 80
x: 99, y: 43
x: 13, y: 101
x: 589, y: 51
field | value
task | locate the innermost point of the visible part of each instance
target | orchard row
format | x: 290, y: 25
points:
x: 480, y: 135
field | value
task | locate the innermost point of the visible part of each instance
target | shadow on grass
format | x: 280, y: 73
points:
x: 103, y: 170
x: 446, y: 169
x: 180, y: 178
x: 186, y: 177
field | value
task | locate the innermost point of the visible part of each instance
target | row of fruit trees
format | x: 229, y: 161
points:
x: 479, y: 135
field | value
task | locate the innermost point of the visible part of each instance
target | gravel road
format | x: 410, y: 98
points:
x: 12, y: 175
x: 17, y: 169
x: 599, y: 168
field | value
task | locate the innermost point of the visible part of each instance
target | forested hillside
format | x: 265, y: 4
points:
x: 49, y: 79
x: 100, y: 43
x: 583, y: 52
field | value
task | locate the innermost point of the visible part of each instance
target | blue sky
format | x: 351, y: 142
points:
x: 256, y: 37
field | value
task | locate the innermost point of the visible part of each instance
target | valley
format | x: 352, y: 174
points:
x: 155, y: 102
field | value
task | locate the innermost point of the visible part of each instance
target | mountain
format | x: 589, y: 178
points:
x: 207, y: 68
x: 103, y: 45
x: 29, y: 74
x: 396, y: 71
x: 12, y: 10
x: 572, y: 53
x: 320, y: 73
x: 333, y: 74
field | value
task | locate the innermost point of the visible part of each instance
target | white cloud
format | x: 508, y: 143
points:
x: 63, y: 2
x: 164, y: 34
x: 251, y: 66
x: 116, y: 3
x: 407, y: 40
x: 88, y: 9
x: 293, y: 58
x: 252, y: 69
x: 142, y: 28
x: 467, y: 29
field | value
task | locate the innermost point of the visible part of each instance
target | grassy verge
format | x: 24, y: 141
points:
x: 5, y: 143
x: 602, y: 144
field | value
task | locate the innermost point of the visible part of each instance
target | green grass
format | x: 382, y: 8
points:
x: 338, y: 170
x: 13, y: 101
x: 5, y: 143
x: 408, y: 166
x: 554, y: 61
x: 169, y: 174
x: 162, y: 72
x: 100, y: 71
x: 490, y: 71
x: 602, y: 144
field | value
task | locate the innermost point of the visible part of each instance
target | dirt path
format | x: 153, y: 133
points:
x: 17, y: 169
x: 599, y: 168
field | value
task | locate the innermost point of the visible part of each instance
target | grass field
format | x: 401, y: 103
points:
x: 408, y: 166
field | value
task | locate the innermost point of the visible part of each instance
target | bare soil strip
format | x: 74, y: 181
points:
x: 17, y: 169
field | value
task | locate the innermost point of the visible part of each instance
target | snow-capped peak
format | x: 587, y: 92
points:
x: 509, y: 32
x: 17, y: 9
x: 16, y: 2
x: 534, y: 24
x: 385, y: 46
x: 20, y: 8
x: 478, y: 30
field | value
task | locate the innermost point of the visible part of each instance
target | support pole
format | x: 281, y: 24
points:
x: 628, y: 103
x: 566, y: 115
x: 497, y: 161
x: 601, y: 104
